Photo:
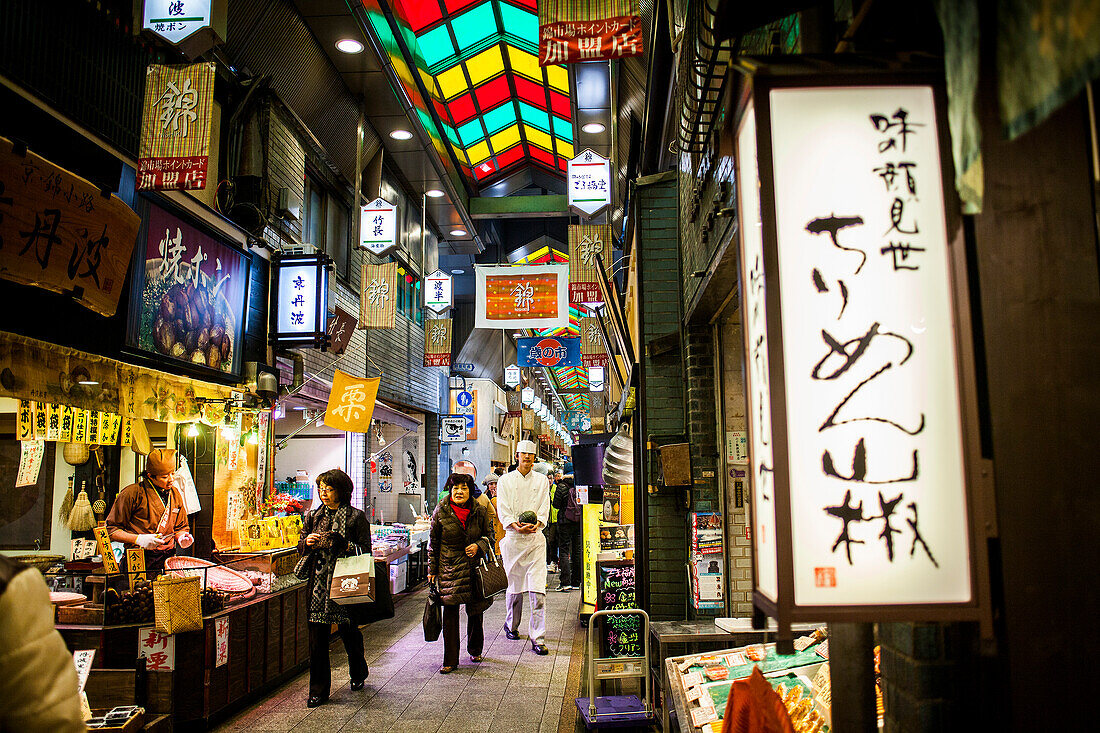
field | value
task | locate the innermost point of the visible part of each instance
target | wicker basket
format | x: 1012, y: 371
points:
x: 176, y: 604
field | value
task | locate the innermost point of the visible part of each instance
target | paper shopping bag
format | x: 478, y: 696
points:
x: 353, y: 580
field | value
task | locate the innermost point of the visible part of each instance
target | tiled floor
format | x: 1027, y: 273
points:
x: 514, y: 689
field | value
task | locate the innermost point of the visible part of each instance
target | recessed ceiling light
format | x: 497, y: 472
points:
x: 458, y: 232
x: 593, y: 128
x: 349, y: 45
x: 434, y: 193
x: 401, y: 135
x: 458, y: 272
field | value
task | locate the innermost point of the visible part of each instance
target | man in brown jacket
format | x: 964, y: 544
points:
x: 151, y: 514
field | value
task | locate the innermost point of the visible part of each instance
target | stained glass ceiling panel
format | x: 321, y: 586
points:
x: 476, y: 57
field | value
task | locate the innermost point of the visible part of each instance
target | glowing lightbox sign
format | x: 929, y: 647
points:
x: 378, y: 227
x: 877, y: 493
x: 301, y: 299
x: 512, y: 375
x: 438, y: 291
x: 589, y: 183
x: 174, y: 20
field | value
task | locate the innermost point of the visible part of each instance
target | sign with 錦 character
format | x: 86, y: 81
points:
x: 586, y: 241
x: 437, y: 342
x: 524, y: 296
x: 593, y: 351
x: 588, y: 180
x: 378, y: 227
x: 438, y: 291
x: 378, y: 296
x: 351, y: 402
x: 299, y: 300
x: 188, y: 301
x: 571, y: 32
x: 862, y: 511
x: 515, y: 402
x: 175, y: 127
x: 61, y: 233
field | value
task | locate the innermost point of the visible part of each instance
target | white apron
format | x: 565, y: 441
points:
x: 524, y: 558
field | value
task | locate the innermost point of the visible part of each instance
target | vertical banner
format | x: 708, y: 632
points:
x: 571, y: 31
x: 351, y: 402
x: 25, y: 430
x: 585, y: 242
x: 378, y: 296
x: 597, y: 411
x: 525, y: 296
x: 515, y: 403
x: 593, y: 351
x: 437, y: 342
x: 175, y: 127
x: 103, y: 540
x: 80, y: 425
x: 263, y: 422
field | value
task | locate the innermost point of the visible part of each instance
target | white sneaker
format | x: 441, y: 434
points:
x: 551, y: 567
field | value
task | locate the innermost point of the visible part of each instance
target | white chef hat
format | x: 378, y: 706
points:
x: 526, y: 446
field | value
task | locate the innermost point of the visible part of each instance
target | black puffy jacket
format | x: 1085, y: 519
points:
x: 447, y: 558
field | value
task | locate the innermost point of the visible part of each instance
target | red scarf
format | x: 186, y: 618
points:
x: 462, y: 512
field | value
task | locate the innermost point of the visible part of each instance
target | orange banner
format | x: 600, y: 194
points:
x: 351, y: 402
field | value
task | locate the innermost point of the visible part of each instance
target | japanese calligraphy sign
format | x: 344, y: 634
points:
x: 221, y: 641
x: 593, y: 352
x: 572, y: 31
x: 351, y: 402
x: 300, y: 299
x: 585, y: 242
x: 514, y: 399
x: 438, y: 292
x: 512, y: 375
x: 597, y: 411
x: 158, y: 649
x: 378, y: 296
x: 174, y: 20
x: 378, y: 227
x: 189, y: 301
x: 30, y: 462
x: 437, y: 342
x: 340, y: 327
x: 525, y: 296
x: 60, y: 233
x: 548, y: 351
x: 175, y: 127
x: 588, y: 180
x: 856, y: 447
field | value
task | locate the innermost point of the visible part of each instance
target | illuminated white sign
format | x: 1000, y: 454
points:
x: 512, y: 376
x: 589, y: 183
x: 756, y: 349
x: 528, y: 394
x: 174, y: 20
x: 301, y: 299
x: 595, y: 379
x: 378, y: 227
x: 438, y: 291
x: 874, y: 437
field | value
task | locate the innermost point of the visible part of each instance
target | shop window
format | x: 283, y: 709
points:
x: 408, y: 294
x: 326, y: 224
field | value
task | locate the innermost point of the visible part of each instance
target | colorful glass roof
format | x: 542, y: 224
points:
x: 500, y: 109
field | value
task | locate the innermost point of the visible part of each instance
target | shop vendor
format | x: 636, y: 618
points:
x: 151, y: 514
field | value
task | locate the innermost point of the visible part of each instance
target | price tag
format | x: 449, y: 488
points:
x: 694, y: 693
x: 735, y: 659
x: 701, y: 716
x: 110, y: 564
x: 693, y: 679
x: 82, y: 658
x: 135, y: 565
x: 686, y: 663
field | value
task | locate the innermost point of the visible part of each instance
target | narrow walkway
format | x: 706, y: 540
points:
x: 513, y: 689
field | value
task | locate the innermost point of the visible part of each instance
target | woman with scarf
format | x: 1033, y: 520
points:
x: 330, y: 531
x: 461, y: 533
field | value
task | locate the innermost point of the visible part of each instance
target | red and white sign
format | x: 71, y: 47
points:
x: 221, y: 641
x: 571, y: 42
x: 157, y: 649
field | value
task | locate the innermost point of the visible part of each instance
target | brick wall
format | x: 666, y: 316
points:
x: 706, y: 184
x: 738, y: 546
x: 663, y: 397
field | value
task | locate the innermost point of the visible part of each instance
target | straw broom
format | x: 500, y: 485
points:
x: 82, y: 519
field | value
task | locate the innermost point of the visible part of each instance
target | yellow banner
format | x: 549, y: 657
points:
x: 378, y: 295
x: 351, y: 402
x: 80, y: 425
x: 66, y: 424
x: 110, y: 564
x: 26, y: 420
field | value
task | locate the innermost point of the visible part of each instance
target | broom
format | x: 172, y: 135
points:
x: 82, y: 519
x: 66, y: 507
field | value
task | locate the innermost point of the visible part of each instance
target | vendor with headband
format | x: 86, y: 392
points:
x: 151, y: 514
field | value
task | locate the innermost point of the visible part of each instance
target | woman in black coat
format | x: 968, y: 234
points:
x: 329, y: 533
x: 461, y: 533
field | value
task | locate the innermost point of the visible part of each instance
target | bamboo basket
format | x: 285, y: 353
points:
x: 176, y: 604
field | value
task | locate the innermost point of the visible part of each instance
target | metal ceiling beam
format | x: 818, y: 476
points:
x: 549, y: 205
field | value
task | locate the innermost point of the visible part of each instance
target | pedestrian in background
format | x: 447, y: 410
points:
x: 569, y: 532
x: 523, y: 549
x: 331, y: 531
x: 551, y: 530
x: 491, y: 493
x: 461, y: 533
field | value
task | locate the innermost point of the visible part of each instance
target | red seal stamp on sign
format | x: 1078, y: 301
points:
x: 825, y: 577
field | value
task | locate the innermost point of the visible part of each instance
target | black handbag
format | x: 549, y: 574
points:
x: 491, y: 577
x: 433, y: 614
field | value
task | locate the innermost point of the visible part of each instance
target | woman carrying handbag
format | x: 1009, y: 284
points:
x: 461, y: 533
x: 329, y: 533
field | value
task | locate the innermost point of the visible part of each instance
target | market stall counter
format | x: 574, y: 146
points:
x: 239, y: 646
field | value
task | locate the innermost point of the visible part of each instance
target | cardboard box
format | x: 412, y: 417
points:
x: 398, y: 576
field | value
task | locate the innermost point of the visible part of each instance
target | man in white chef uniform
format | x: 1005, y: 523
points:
x: 523, y: 549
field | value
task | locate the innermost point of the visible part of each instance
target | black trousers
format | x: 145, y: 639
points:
x: 475, y: 634
x: 320, y: 674
x: 551, y: 534
x: 569, y: 553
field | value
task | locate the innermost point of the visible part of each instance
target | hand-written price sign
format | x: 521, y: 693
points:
x: 615, y: 590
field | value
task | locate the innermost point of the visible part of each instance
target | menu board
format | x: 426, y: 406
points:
x: 615, y: 590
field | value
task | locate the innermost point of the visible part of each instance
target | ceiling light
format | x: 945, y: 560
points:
x: 434, y: 193
x: 193, y: 430
x: 458, y: 232
x: 401, y: 135
x: 349, y: 45
x: 457, y: 272
x: 88, y: 382
x: 593, y: 128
